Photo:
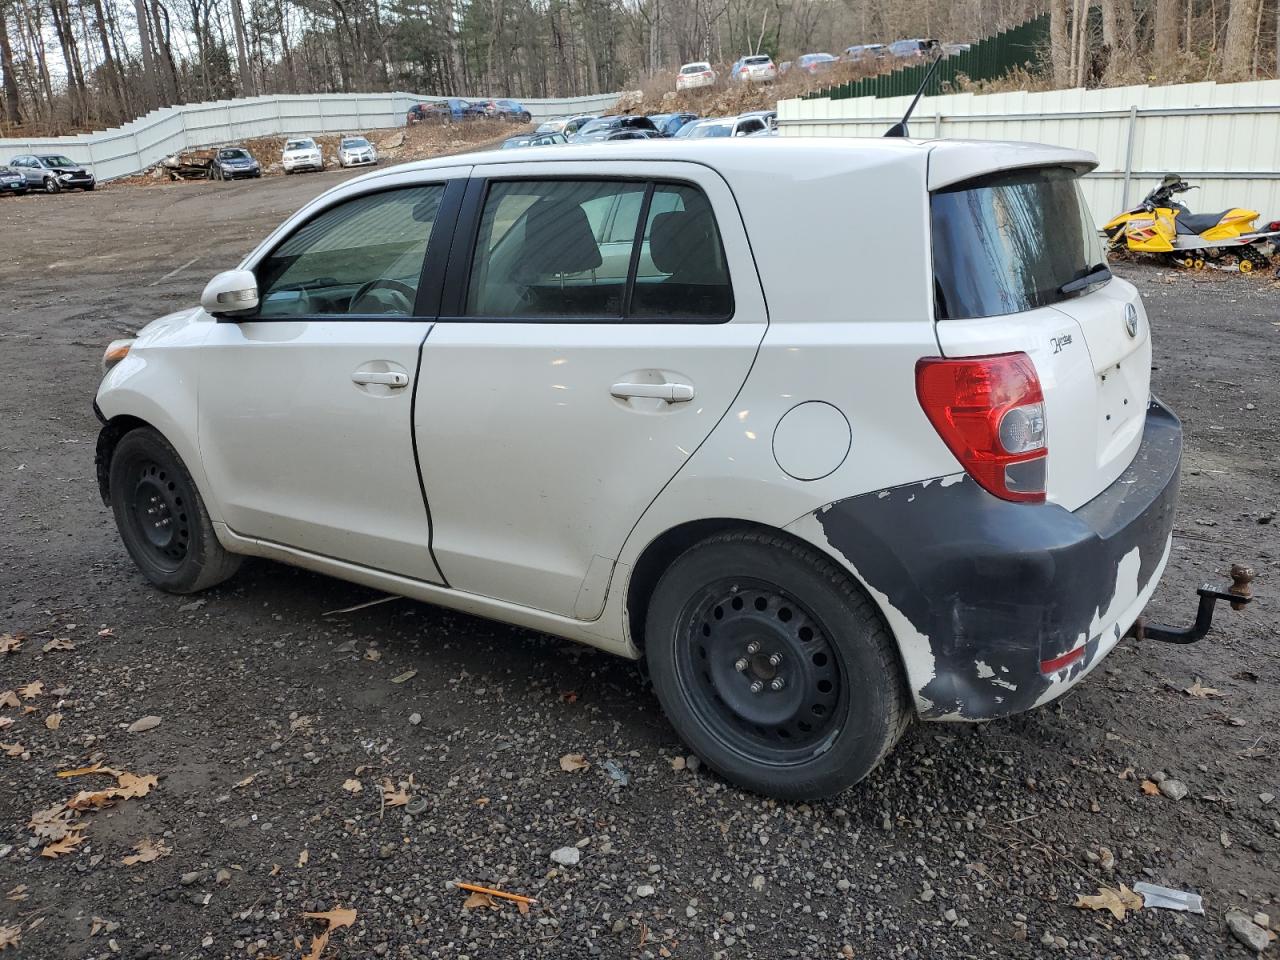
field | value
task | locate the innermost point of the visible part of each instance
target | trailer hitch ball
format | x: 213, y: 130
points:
x: 1238, y: 595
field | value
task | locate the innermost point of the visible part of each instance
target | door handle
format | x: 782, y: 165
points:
x: 389, y: 379
x: 670, y: 392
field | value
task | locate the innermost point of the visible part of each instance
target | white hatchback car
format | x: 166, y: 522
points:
x: 692, y: 76
x: 756, y: 68
x: 301, y: 153
x: 901, y: 463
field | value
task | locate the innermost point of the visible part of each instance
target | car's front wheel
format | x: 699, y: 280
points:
x: 774, y: 666
x: 51, y: 185
x: 161, y: 518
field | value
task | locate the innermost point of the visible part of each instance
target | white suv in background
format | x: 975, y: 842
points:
x: 301, y: 153
x: 695, y: 75
x: 757, y: 68
x: 612, y: 394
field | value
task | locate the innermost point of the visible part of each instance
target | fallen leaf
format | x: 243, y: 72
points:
x: 352, y: 785
x: 13, y: 749
x: 303, y: 857
x: 1116, y: 901
x: 569, y: 696
x: 1150, y: 788
x: 10, y: 643
x: 66, y: 845
x: 58, y: 643
x: 10, y: 937
x: 317, y: 946
x: 52, y: 823
x: 148, y: 851
x: 301, y: 724
x: 92, y: 799
x: 522, y: 907
x: 478, y: 901
x: 394, y: 796
x: 131, y: 786
x: 53, y: 721
x: 573, y: 762
x: 336, y: 918
x: 97, y: 924
x: 9, y: 699
x: 407, y: 675
x: 482, y: 801
x: 143, y: 724
x: 678, y: 763
x: 275, y: 870
x: 17, y: 894
x: 1200, y: 692
x: 240, y: 784
x: 31, y: 690
x: 373, y: 654
x: 6, y: 723
x: 29, y: 709
x: 85, y: 771
x: 106, y: 632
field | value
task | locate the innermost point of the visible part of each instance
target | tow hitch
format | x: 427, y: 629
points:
x: 1238, y: 594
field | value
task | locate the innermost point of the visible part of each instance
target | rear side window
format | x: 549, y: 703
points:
x: 1009, y: 242
x: 577, y: 250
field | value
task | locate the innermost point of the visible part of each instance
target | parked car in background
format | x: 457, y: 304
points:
x: 449, y: 110
x: 566, y: 125
x: 534, y: 140
x: 232, y: 163
x: 770, y: 117
x: 511, y: 110
x: 301, y: 153
x: 716, y: 127
x: 632, y: 133
x: 695, y: 75
x: 52, y: 172
x: 12, y: 180
x: 655, y: 425
x: 911, y: 49
x: 601, y: 127
x: 864, y: 52
x: 951, y: 49
x: 669, y: 123
x: 815, y: 63
x: 356, y: 151
x: 757, y: 68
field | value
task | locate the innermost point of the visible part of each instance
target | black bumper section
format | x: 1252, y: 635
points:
x: 999, y: 587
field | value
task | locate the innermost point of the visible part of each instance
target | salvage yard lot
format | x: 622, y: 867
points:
x: 308, y: 760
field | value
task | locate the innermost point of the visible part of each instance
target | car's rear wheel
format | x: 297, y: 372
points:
x: 161, y: 518
x: 51, y: 185
x: 774, y: 666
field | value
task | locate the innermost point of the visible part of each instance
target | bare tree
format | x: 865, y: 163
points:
x: 1242, y: 30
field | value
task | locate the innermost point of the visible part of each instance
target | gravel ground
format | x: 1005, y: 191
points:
x: 307, y: 760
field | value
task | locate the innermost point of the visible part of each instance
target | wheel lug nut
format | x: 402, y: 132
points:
x: 753, y: 647
x: 740, y: 664
x: 756, y: 686
x: 777, y: 683
x: 775, y: 659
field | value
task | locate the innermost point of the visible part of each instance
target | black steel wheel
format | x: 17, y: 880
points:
x: 774, y: 666
x: 761, y: 671
x: 161, y: 518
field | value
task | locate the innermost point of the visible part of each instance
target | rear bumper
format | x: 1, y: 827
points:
x: 1000, y: 607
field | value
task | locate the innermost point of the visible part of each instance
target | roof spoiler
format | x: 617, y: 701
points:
x: 899, y: 129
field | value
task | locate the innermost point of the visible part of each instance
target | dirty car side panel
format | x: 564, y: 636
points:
x: 995, y: 588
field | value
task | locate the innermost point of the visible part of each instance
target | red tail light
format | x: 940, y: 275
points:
x: 1274, y: 225
x: 989, y: 411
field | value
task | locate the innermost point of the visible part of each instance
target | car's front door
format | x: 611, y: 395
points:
x: 305, y: 407
x: 599, y: 320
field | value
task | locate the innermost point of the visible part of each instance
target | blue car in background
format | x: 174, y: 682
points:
x: 511, y: 110
x: 814, y: 63
x: 669, y: 124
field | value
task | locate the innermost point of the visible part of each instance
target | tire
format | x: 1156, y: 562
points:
x: 183, y: 556
x: 51, y: 185
x: 89, y: 188
x: 717, y: 616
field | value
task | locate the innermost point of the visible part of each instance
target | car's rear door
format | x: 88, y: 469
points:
x: 564, y: 384
x: 305, y: 408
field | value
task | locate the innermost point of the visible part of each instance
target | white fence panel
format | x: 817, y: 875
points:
x: 1225, y: 138
x: 138, y: 144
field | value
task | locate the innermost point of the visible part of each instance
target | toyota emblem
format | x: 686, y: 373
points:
x: 1131, y: 319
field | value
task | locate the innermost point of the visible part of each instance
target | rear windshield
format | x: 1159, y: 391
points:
x: 695, y: 67
x: 755, y: 61
x: 1008, y: 242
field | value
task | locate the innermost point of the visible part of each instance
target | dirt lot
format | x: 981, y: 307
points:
x: 279, y: 723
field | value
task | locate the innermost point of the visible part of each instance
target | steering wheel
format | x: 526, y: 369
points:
x: 399, y: 298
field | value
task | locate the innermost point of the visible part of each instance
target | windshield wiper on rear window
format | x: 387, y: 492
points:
x: 1096, y: 274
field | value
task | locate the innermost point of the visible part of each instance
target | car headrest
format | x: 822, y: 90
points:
x: 558, y: 239
x: 684, y: 241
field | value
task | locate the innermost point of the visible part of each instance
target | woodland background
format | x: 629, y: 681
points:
x: 70, y: 65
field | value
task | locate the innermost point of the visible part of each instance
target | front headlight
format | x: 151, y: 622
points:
x: 116, y: 351
x: 64, y: 176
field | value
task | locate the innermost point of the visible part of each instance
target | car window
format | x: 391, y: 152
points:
x: 682, y: 273
x: 361, y: 257
x: 749, y: 126
x: 540, y: 254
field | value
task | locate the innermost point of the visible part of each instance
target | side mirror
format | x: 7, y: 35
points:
x: 230, y: 292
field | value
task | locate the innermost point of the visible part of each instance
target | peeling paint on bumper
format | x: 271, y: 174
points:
x: 980, y: 592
